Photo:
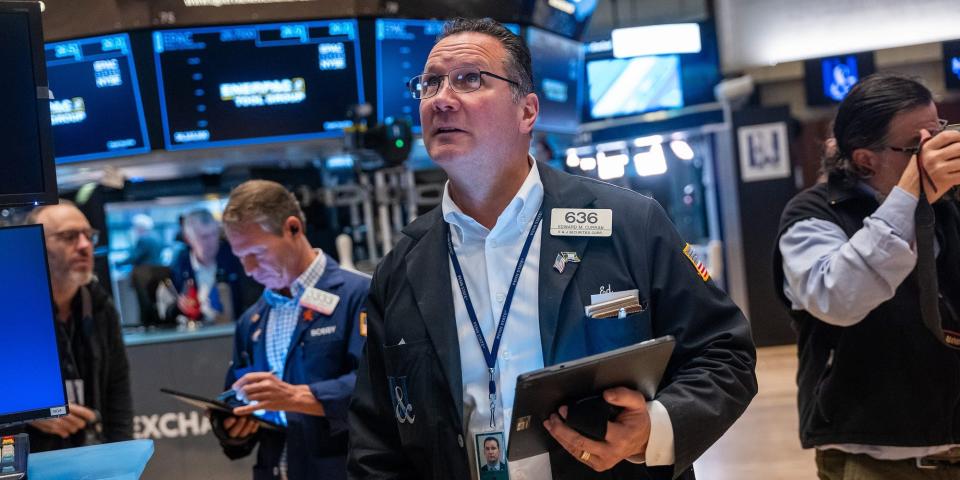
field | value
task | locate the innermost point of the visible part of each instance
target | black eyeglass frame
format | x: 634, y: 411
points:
x: 916, y: 149
x: 413, y: 91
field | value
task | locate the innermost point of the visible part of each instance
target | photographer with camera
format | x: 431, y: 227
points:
x: 879, y: 382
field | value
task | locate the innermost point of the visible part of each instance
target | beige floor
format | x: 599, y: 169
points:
x: 764, y: 443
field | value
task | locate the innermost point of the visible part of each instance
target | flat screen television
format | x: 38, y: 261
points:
x: 557, y: 63
x: 628, y: 86
x: 232, y: 85
x: 827, y: 80
x: 32, y: 382
x: 96, y: 111
x: 951, y: 64
x: 27, y: 175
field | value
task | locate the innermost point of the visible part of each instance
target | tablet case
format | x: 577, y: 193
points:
x: 539, y: 393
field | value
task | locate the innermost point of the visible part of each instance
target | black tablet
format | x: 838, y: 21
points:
x: 541, y: 392
x: 213, y: 404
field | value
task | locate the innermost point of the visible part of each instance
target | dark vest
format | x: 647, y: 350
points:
x: 886, y: 380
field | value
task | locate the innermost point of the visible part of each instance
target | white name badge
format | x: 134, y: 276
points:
x: 319, y: 301
x: 581, y: 222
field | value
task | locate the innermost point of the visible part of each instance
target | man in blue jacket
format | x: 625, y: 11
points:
x: 297, y: 349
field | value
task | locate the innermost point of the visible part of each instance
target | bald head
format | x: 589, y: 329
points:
x: 69, y: 246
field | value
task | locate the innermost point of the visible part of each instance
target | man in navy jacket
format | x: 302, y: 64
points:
x: 296, y: 350
x: 420, y: 408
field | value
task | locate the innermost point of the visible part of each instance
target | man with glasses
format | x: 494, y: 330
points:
x: 879, y: 384
x: 93, y: 359
x: 440, y: 368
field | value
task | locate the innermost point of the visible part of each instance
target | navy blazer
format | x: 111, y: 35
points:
x: 324, y: 354
x: 243, y: 290
x: 708, y: 383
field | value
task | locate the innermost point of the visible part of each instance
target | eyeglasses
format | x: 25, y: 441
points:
x: 462, y: 80
x: 70, y: 237
x: 916, y: 149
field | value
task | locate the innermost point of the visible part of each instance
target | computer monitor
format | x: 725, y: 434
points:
x: 32, y: 383
x: 402, y: 47
x: 628, y: 86
x: 951, y: 64
x: 244, y: 84
x: 27, y: 175
x: 96, y: 111
x: 557, y: 63
x: 828, y: 80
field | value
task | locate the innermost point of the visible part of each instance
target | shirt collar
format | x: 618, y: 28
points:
x: 307, y: 279
x: 520, y: 211
x: 197, y: 266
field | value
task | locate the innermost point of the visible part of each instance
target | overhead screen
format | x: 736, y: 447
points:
x: 624, y: 86
x: 26, y: 173
x: 828, y: 80
x: 402, y: 47
x: 566, y: 17
x: 33, y: 384
x: 557, y: 63
x: 223, y: 86
x: 96, y: 111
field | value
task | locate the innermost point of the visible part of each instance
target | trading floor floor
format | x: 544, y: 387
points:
x: 764, y: 443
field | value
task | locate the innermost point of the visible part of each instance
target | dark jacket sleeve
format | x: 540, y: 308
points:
x: 117, y: 409
x: 234, y: 448
x: 710, y: 379
x: 375, y: 450
x: 335, y: 393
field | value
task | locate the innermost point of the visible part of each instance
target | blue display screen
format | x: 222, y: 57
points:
x: 96, y: 111
x: 235, y: 85
x: 557, y: 62
x: 402, y: 48
x: 624, y: 86
x: 31, y: 373
x: 839, y: 75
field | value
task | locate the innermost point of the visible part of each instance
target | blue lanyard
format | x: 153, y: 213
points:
x: 490, y: 353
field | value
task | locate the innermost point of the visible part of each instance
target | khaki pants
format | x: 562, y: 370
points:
x: 837, y: 465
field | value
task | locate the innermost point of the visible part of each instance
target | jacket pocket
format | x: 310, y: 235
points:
x: 410, y: 378
x: 605, y: 334
x: 821, y: 388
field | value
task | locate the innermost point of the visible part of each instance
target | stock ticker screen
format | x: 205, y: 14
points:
x: 402, y: 47
x: 222, y: 86
x: 96, y: 111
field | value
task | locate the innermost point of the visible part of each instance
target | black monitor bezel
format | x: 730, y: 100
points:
x: 16, y: 418
x: 44, y: 129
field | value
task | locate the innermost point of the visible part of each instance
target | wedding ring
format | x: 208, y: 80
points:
x: 585, y: 456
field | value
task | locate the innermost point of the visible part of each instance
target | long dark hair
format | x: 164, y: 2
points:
x: 863, y: 120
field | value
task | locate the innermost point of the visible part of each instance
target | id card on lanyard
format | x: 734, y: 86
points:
x: 490, y: 352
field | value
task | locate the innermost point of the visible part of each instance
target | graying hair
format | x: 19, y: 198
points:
x: 263, y: 202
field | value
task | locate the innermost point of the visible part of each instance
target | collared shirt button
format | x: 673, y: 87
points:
x: 460, y: 440
x: 501, y: 297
